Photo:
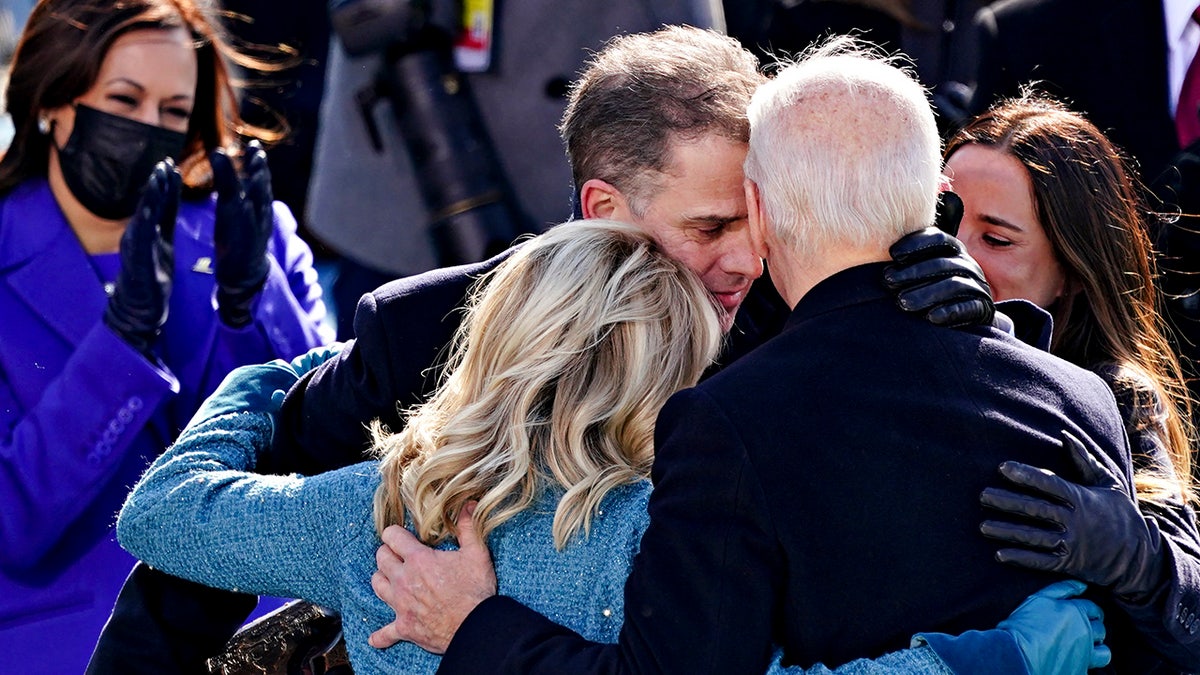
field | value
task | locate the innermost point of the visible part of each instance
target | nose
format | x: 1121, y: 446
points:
x: 738, y: 257
x: 148, y: 114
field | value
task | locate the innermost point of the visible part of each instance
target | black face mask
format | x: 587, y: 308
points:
x: 108, y: 158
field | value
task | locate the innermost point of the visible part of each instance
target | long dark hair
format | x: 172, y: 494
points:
x: 1089, y: 204
x: 58, y: 59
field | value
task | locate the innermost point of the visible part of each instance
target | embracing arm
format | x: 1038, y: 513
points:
x: 691, y: 605
x: 1146, y: 553
x: 200, y: 514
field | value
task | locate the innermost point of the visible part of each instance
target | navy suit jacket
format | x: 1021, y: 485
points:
x: 822, y: 493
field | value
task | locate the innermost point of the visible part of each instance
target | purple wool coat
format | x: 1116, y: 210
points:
x: 82, y: 413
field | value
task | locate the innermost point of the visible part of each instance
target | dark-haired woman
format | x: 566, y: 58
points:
x: 1053, y: 216
x: 124, y: 302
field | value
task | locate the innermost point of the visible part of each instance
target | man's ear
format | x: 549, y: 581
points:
x: 757, y: 218
x: 600, y: 199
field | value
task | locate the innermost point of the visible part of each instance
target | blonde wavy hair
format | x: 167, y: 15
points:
x: 567, y: 353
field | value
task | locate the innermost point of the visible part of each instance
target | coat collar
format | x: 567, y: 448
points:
x: 851, y: 286
x: 44, y: 264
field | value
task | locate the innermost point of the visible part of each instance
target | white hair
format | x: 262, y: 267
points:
x: 844, y: 149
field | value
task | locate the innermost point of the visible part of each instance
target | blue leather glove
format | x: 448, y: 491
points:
x: 137, y: 309
x: 315, y: 357
x: 933, y: 276
x: 257, y: 388
x: 244, y: 223
x: 1092, y: 531
x: 1055, y: 633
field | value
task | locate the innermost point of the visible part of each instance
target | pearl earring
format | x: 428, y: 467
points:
x: 43, y: 125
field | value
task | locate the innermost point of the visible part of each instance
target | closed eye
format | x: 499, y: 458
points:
x: 992, y: 240
x: 178, y: 113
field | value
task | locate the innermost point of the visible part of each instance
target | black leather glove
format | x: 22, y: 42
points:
x: 1092, y: 531
x: 932, y: 274
x: 244, y: 223
x: 137, y: 309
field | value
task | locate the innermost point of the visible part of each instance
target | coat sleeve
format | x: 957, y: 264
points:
x: 231, y: 528
x: 60, y: 456
x: 323, y: 420
x: 402, y: 335
x: 290, y: 307
x: 1170, y: 618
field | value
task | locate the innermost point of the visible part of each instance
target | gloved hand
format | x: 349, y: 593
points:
x: 257, y: 388
x: 137, y: 309
x: 934, y: 276
x: 244, y: 223
x: 1092, y: 531
x: 1056, y: 633
x: 315, y: 357
x: 1051, y: 633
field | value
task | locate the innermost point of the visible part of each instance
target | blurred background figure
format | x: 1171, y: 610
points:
x: 438, y: 143
x: 125, y: 300
x: 12, y: 19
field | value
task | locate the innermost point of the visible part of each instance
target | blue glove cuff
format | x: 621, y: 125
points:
x: 976, y: 652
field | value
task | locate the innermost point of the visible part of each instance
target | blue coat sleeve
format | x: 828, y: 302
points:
x: 61, y: 456
x: 234, y: 529
x: 290, y: 309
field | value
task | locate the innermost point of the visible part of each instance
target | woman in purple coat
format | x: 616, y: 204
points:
x: 123, y: 303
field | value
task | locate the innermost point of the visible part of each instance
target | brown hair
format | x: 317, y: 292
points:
x: 643, y: 91
x: 1089, y: 204
x: 58, y: 59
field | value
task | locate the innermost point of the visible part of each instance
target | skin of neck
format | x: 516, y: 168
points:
x: 795, y: 272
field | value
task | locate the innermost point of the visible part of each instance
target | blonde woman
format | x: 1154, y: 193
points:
x: 545, y: 423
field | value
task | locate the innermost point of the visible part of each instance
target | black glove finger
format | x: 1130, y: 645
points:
x: 1034, y: 560
x: 1024, y: 535
x: 258, y: 179
x: 137, y: 242
x: 943, y: 291
x: 170, y: 207
x: 923, y: 245
x: 949, y: 212
x: 225, y: 177
x: 1041, y: 480
x: 1093, y: 472
x: 924, y: 271
x: 1024, y: 505
x: 962, y: 313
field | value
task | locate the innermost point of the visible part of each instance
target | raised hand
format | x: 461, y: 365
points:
x: 244, y: 222
x: 1091, y: 530
x: 137, y: 309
